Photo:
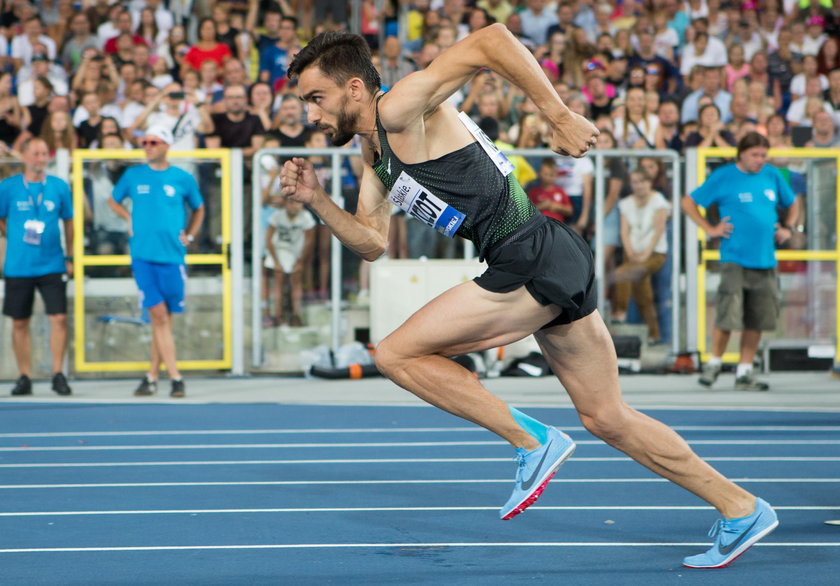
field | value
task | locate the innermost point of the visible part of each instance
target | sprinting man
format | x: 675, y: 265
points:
x: 421, y: 155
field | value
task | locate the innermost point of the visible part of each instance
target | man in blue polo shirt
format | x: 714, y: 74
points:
x: 749, y: 194
x: 32, y: 207
x: 160, y: 235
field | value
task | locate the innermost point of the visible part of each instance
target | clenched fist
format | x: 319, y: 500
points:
x: 574, y: 136
x: 298, y: 181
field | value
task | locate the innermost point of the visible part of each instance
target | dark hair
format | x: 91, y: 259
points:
x: 752, y: 140
x: 705, y: 107
x: 340, y: 56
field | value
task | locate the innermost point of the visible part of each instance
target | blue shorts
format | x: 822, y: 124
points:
x: 160, y: 283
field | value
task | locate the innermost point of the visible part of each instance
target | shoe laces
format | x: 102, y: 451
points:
x: 722, y: 526
x: 519, y: 458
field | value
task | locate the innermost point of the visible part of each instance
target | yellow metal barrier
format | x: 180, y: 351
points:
x: 83, y: 260
x: 804, y: 255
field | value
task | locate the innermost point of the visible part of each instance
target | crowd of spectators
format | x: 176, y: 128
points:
x: 664, y: 74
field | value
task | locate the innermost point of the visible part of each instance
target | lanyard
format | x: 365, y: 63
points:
x: 36, y: 207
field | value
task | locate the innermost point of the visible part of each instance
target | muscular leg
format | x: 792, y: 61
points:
x: 22, y: 344
x: 165, y: 342
x: 464, y: 319
x: 583, y: 357
x: 58, y: 340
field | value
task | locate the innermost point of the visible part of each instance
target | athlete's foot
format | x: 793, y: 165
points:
x: 735, y: 536
x: 535, y: 469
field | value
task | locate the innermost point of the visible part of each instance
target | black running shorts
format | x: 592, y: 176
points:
x: 554, y: 264
x: 20, y: 295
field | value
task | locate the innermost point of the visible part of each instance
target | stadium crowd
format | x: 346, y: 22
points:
x: 652, y: 74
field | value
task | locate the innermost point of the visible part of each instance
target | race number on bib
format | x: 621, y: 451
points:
x: 417, y: 202
x: 499, y: 159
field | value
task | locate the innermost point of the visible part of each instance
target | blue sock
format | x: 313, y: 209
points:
x: 531, y: 425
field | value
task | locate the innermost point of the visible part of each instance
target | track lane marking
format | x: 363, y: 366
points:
x: 407, y: 545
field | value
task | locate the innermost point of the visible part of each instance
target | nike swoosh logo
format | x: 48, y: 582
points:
x: 727, y: 549
x: 527, y: 483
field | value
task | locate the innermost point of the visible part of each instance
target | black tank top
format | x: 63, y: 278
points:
x: 467, y: 179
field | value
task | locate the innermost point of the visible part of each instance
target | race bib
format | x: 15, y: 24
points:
x: 498, y: 158
x: 32, y: 231
x: 417, y: 202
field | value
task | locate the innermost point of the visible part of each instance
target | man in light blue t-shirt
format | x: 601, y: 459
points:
x: 33, y: 206
x: 160, y: 233
x: 749, y: 194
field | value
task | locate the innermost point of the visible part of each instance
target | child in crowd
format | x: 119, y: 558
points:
x: 289, y: 241
x: 550, y: 199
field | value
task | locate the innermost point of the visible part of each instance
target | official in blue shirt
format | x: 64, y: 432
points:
x: 749, y: 194
x: 33, y: 205
x: 160, y: 233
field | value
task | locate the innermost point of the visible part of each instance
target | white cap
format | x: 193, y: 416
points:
x: 161, y: 132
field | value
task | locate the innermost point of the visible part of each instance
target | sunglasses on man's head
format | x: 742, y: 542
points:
x: 151, y: 142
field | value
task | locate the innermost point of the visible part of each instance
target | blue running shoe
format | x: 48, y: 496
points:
x: 536, y: 468
x: 734, y: 537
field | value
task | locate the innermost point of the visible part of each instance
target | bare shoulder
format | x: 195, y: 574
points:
x: 406, y: 103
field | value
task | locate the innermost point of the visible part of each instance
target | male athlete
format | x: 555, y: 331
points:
x: 421, y: 155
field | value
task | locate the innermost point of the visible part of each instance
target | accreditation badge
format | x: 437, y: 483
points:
x: 32, y: 231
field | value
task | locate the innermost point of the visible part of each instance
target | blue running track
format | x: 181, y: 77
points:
x: 274, y: 494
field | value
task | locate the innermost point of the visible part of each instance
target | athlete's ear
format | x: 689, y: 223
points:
x: 357, y: 88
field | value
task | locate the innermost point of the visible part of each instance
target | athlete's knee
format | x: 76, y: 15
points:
x: 609, y: 423
x: 387, y: 358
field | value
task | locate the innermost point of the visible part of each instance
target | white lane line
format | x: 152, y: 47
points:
x: 370, y: 510
x: 90, y: 448
x: 473, y: 429
x: 408, y: 545
x: 381, y: 461
x: 390, y: 482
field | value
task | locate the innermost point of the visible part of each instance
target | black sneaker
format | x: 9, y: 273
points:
x: 748, y: 382
x: 23, y: 386
x: 146, y: 388
x: 178, y: 389
x: 59, y: 384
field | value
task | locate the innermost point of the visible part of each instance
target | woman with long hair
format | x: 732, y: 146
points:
x: 644, y: 217
x: 551, y: 59
x: 176, y: 36
x: 148, y: 29
x: 637, y: 127
x: 577, y: 50
x: 58, y: 132
x: 828, y: 57
x: 736, y: 67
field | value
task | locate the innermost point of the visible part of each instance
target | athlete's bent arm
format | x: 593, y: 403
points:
x: 417, y: 95
x: 366, y: 232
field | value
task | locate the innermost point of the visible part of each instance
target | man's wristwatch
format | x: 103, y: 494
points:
x: 190, y: 238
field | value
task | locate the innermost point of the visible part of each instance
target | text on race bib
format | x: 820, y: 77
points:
x: 417, y: 202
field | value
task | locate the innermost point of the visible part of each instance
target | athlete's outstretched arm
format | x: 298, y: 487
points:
x: 366, y: 232
x: 494, y: 47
